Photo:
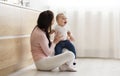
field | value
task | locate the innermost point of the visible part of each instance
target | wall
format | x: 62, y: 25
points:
x: 16, y: 24
x: 39, y: 4
x: 96, y: 32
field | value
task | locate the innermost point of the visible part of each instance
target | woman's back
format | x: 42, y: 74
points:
x: 36, y: 39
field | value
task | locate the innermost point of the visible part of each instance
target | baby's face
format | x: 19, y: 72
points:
x: 62, y: 20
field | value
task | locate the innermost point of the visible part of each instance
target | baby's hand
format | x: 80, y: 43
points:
x: 70, y: 37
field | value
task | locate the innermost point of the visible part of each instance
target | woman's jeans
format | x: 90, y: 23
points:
x: 64, y: 44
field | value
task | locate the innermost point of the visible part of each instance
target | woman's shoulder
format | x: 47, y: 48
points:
x: 38, y: 32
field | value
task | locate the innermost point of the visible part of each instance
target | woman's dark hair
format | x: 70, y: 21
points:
x: 44, y: 22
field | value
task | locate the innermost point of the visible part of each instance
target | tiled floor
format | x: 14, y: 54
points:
x: 85, y: 67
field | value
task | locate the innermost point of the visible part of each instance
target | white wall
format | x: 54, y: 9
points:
x: 95, y: 25
x: 39, y: 4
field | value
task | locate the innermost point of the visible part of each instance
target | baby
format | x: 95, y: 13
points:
x: 67, y: 37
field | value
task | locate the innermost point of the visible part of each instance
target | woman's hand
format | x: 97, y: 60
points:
x: 57, y: 38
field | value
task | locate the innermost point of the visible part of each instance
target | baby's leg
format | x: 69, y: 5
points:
x: 70, y: 47
x: 59, y: 48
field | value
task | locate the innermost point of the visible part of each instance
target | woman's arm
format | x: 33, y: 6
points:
x: 52, y: 31
x: 43, y: 41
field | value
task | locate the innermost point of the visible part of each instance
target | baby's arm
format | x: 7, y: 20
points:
x: 70, y: 37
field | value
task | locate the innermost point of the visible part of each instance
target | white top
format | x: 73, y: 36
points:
x: 62, y: 31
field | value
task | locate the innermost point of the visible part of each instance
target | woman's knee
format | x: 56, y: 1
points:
x: 70, y: 54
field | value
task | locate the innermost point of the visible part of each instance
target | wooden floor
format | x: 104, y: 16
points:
x: 85, y: 67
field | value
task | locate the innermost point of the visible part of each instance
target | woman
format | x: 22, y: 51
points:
x: 42, y: 47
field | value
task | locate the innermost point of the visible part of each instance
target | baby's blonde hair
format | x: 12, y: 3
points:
x: 58, y: 15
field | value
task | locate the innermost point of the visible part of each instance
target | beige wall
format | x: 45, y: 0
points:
x: 16, y: 24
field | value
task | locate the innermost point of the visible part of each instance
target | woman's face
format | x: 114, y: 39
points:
x: 52, y: 22
x: 62, y: 20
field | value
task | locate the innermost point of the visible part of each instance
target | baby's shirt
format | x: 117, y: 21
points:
x: 62, y: 31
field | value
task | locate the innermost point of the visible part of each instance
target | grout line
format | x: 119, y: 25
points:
x: 15, y: 36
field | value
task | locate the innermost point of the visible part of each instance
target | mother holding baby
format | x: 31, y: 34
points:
x: 42, y: 47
